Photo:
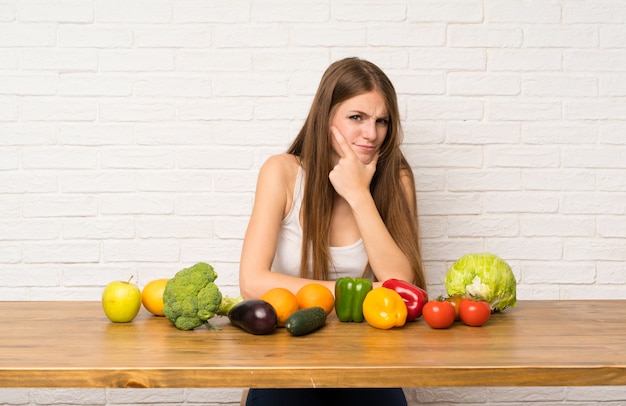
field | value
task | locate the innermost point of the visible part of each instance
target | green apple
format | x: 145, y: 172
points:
x: 121, y: 301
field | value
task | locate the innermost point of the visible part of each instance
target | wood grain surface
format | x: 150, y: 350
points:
x: 537, y: 343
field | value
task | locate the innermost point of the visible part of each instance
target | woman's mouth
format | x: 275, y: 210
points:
x: 366, y: 148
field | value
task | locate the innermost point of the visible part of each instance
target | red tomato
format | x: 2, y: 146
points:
x: 438, y: 314
x: 474, y: 313
x: 456, y: 302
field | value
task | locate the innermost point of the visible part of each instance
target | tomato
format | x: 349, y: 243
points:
x: 456, y: 302
x: 438, y: 314
x: 474, y: 313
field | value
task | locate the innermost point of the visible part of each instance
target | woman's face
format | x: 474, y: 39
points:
x: 363, y: 121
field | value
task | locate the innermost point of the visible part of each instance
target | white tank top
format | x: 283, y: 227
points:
x: 346, y: 261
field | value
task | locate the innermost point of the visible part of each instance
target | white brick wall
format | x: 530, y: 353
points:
x: 131, y: 133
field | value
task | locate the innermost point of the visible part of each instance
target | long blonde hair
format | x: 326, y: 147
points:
x: 343, y: 80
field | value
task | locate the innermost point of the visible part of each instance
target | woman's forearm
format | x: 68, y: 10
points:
x: 254, y: 286
x: 385, y: 256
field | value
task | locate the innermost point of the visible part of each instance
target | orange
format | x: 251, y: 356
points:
x: 315, y: 294
x: 152, y: 296
x: 284, y: 303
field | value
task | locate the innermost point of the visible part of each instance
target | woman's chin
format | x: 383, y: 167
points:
x: 366, y: 159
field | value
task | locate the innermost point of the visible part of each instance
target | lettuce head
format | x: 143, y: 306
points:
x: 483, y: 276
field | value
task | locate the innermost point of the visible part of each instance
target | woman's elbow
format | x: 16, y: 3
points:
x: 245, y: 288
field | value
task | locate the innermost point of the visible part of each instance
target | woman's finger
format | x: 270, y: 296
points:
x: 344, y: 147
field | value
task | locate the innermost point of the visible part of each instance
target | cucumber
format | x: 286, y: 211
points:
x: 305, y: 321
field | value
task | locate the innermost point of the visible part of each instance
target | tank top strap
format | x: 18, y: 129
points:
x: 298, y: 191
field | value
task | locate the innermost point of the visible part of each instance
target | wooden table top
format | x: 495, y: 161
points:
x: 537, y: 343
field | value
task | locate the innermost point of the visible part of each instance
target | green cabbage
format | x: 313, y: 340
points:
x: 483, y: 276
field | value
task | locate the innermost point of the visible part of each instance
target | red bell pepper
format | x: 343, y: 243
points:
x: 414, y: 297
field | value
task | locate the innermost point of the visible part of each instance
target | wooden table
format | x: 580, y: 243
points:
x: 537, y: 343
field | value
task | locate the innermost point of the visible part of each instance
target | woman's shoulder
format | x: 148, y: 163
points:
x: 279, y: 172
x: 283, y: 165
x: 277, y: 179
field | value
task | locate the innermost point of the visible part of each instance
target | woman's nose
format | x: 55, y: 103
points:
x: 369, y: 130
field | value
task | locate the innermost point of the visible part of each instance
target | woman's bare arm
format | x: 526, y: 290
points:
x: 273, y: 200
x: 351, y: 178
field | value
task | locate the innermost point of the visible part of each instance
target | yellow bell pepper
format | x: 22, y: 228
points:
x: 384, y: 308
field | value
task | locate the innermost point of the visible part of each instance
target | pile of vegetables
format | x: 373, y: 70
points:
x: 391, y: 305
x: 477, y: 285
x: 483, y: 276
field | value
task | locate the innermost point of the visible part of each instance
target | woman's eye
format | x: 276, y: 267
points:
x: 355, y: 117
x: 382, y: 121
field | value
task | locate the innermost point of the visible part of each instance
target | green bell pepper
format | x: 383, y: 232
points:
x: 349, y: 296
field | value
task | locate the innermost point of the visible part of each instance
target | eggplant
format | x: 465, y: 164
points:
x: 254, y: 316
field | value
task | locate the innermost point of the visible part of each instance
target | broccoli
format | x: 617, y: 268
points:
x: 191, y: 297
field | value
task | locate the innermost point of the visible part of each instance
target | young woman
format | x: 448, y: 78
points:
x: 340, y: 202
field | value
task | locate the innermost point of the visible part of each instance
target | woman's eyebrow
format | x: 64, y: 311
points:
x: 362, y: 113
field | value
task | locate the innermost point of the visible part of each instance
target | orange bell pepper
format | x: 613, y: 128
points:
x: 384, y: 308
